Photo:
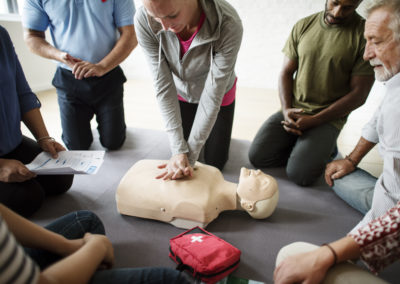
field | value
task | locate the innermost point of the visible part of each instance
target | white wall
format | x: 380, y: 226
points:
x: 267, y: 24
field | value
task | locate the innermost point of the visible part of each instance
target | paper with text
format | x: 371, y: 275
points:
x: 68, y: 162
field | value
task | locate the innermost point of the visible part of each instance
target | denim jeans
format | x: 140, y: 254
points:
x: 305, y: 156
x: 357, y: 189
x: 73, y: 226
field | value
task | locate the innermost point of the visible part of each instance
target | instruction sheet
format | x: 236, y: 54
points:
x: 68, y: 162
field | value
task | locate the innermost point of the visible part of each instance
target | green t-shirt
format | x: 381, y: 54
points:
x: 327, y: 58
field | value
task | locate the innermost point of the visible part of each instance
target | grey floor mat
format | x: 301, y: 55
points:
x: 312, y: 214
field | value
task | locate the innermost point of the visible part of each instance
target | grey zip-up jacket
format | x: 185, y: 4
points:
x: 203, y: 75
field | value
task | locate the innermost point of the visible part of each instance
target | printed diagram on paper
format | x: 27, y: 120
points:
x: 68, y: 162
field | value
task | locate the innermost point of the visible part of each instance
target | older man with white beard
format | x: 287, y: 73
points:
x: 361, y: 190
x: 375, y: 239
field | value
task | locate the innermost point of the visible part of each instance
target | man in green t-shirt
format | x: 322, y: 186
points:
x: 322, y: 80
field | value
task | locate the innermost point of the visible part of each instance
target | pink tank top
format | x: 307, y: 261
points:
x: 185, y: 44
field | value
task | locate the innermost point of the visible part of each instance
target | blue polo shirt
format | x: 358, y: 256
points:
x: 86, y: 29
x: 16, y: 97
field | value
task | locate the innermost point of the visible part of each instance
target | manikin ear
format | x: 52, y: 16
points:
x: 264, y: 208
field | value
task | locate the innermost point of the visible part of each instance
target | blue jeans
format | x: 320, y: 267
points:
x: 357, y: 189
x: 81, y: 100
x: 73, y: 226
x: 305, y: 156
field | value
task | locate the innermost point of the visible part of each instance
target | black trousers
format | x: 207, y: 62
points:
x: 216, y: 148
x: 81, y: 100
x: 27, y: 197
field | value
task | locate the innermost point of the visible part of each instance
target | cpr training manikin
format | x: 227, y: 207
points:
x: 197, y: 200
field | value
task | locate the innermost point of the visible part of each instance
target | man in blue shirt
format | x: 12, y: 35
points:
x: 91, y: 38
x: 21, y: 189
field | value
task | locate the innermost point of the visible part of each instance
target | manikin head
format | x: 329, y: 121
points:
x: 382, y: 32
x: 338, y: 12
x: 174, y: 15
x: 258, y: 193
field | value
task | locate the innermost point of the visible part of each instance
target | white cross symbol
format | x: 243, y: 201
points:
x: 197, y: 239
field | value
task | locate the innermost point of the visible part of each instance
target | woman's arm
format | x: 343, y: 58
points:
x: 225, y: 52
x: 311, y: 267
x: 31, y: 235
x: 82, y: 256
x: 34, y: 121
x: 163, y: 82
x: 80, y: 266
x: 166, y: 93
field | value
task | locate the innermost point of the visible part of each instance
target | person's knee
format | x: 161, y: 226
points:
x: 340, y: 187
x: 257, y: 156
x: 113, y: 142
x: 28, y: 200
x: 358, y: 197
x: 261, y: 157
x: 77, y: 143
x: 218, y: 163
x: 254, y: 156
x: 302, y: 175
x: 91, y: 222
x: 28, y: 207
x: 59, y: 184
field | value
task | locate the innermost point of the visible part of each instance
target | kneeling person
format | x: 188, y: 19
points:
x: 323, y: 79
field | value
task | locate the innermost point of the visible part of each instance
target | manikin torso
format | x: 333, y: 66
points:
x: 190, y: 202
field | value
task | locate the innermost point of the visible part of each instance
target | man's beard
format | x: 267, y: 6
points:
x: 383, y: 74
x: 337, y: 21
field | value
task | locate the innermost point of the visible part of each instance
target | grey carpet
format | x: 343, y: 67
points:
x: 312, y: 214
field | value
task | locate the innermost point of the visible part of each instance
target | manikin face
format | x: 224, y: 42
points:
x: 173, y: 15
x: 382, y: 49
x: 337, y: 12
x: 255, y: 186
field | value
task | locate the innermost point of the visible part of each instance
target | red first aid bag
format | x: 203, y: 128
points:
x: 205, y: 256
